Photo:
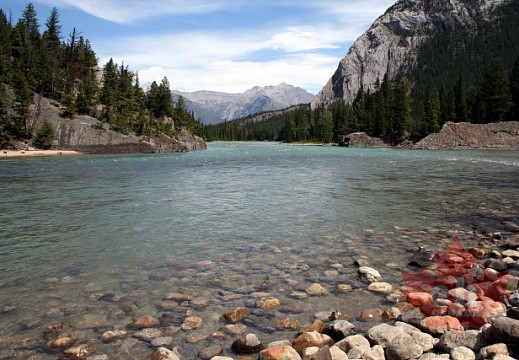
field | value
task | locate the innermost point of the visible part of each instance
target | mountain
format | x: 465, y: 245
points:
x: 215, y: 107
x: 430, y: 41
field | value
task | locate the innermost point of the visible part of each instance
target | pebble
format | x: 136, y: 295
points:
x: 298, y: 295
x: 147, y: 334
x: 373, y: 314
x: 236, y: 329
x: 267, y: 303
x: 164, y: 354
x: 497, y: 349
x: 369, y: 274
x: 316, y: 290
x: 339, y: 329
x: 288, y: 324
x: 439, y: 325
x: 338, y: 354
x: 178, y: 297
x: 78, y: 352
x: 165, y: 341
x: 279, y: 353
x: 472, y: 339
x: 248, y: 344
x: 210, y: 352
x: 353, y: 341
x: 317, y: 325
x: 236, y: 315
x: 375, y: 353
x: 192, y: 323
x: 383, y: 334
x: 462, y: 353
x: 380, y: 287
x: 392, y: 313
x: 109, y: 336
x: 343, y: 288
x: 403, y: 347
x: 145, y: 321
x: 62, y: 342
x: 313, y: 338
x: 194, y: 338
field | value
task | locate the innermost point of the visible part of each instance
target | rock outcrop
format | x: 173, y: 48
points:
x: 504, y: 135
x: 393, y: 42
x: 362, y: 140
x: 86, y: 134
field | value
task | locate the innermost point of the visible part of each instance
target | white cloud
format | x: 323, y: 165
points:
x: 228, y: 59
x: 225, y: 62
x: 304, y: 70
x: 130, y: 11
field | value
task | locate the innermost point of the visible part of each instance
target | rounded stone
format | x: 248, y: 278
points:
x: 462, y: 353
x: 145, y: 321
x: 279, y: 353
x: 316, y: 290
x: 380, y: 287
x: 309, y: 339
x: 236, y: 315
x: 248, y: 344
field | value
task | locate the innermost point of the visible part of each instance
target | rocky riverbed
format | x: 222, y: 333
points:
x: 313, y: 309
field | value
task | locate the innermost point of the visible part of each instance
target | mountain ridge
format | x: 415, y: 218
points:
x: 213, y: 107
x: 393, y: 42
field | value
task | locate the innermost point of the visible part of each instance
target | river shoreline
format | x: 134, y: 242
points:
x: 18, y: 154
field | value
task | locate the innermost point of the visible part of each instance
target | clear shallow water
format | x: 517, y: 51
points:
x: 75, y: 228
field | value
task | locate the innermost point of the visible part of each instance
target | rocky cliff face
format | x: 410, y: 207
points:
x: 215, y: 107
x: 503, y: 135
x: 83, y: 134
x: 392, y: 43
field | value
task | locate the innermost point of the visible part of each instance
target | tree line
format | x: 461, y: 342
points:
x: 67, y: 71
x: 387, y: 111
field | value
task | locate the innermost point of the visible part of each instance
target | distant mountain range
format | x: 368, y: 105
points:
x: 212, y: 107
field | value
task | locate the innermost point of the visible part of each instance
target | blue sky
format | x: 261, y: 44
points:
x: 218, y: 45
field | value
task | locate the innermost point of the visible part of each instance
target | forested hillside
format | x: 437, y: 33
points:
x: 464, y: 71
x: 42, y: 60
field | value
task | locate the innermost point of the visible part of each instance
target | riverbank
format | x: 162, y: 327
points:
x: 10, y: 154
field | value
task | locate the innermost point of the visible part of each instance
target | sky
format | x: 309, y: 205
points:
x: 217, y: 45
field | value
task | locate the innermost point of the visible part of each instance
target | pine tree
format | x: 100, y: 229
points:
x: 4, y: 119
x: 514, y: 89
x: 44, y: 136
x: 5, y: 47
x: 431, y: 113
x: 52, y: 55
x: 402, y: 109
x: 109, y: 92
x: 460, y: 100
x: 496, y: 91
x: 24, y: 99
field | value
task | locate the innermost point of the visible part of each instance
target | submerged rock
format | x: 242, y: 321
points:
x: 145, y: 321
x: 316, y: 290
x: 164, y: 354
x: 236, y: 315
x: 248, y: 344
x: 369, y: 274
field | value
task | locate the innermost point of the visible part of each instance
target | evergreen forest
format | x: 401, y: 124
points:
x: 461, y: 73
x: 45, y: 61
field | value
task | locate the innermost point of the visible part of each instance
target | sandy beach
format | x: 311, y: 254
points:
x: 9, y: 154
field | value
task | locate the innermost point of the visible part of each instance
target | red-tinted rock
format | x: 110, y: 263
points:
x: 419, y: 298
x: 439, y: 325
x: 433, y: 310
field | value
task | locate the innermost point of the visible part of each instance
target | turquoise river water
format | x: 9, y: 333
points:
x: 95, y: 241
